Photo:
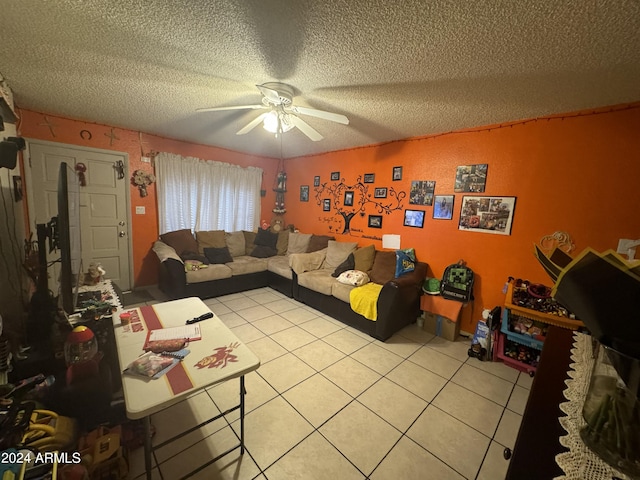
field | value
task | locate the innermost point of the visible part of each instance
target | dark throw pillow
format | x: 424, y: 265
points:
x: 218, y: 255
x: 384, y: 267
x: 263, y: 251
x: 180, y: 240
x: 194, y: 256
x: 348, y: 264
x: 265, y: 238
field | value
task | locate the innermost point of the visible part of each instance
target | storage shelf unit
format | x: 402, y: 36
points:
x: 523, y: 339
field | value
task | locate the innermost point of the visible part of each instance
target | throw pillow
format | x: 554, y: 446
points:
x: 210, y: 238
x: 218, y: 255
x: 318, y: 242
x: 236, y: 243
x: 353, y: 277
x: 348, y: 264
x: 298, y: 242
x: 283, y: 242
x: 180, y: 241
x: 249, y: 241
x: 364, y: 258
x: 405, y: 261
x: 384, y: 267
x: 263, y: 251
x: 266, y: 238
x: 194, y: 256
x: 337, y: 252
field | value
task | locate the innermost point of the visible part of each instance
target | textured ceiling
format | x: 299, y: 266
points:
x: 396, y: 69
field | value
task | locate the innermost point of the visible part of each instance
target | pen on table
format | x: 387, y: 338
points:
x: 200, y: 318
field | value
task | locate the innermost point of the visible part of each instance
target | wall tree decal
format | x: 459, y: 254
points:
x: 362, y: 198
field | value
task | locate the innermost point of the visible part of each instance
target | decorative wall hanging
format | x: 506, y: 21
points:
x: 414, y: 218
x: 85, y: 135
x: 142, y: 180
x: 119, y: 166
x: 280, y: 189
x: 380, y: 192
x: 362, y: 198
x: 369, y: 177
x: 487, y: 214
x: 47, y: 123
x: 397, y: 174
x: 81, y: 168
x: 375, y: 221
x: 335, y: 176
x: 112, y: 136
x: 304, y: 193
x: 422, y: 192
x: 443, y: 207
x: 471, y: 178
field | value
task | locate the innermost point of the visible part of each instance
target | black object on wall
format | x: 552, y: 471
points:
x: 9, y: 151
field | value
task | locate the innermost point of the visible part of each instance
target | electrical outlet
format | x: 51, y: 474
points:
x: 146, y: 159
x: 140, y: 210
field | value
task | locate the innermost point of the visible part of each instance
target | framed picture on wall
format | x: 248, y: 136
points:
x: 375, y: 221
x: 369, y: 177
x: 304, y: 193
x: 335, y: 176
x: 380, y: 192
x: 487, y: 214
x: 414, y: 218
x: 422, y: 192
x: 348, y: 199
x: 471, y: 178
x: 316, y: 181
x: 397, y: 174
x: 326, y: 205
x: 443, y: 207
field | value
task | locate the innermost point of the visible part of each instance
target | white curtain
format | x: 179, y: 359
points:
x: 206, y: 195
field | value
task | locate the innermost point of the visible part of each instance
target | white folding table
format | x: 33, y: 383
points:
x: 217, y: 357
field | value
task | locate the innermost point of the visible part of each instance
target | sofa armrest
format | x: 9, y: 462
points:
x: 164, y: 252
x: 412, y: 278
x: 306, y: 262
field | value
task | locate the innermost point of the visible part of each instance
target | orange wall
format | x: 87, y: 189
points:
x: 577, y: 173
x: 144, y: 228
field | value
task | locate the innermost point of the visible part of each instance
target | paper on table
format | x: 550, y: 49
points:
x: 189, y: 332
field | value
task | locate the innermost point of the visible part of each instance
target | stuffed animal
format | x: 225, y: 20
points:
x: 94, y: 275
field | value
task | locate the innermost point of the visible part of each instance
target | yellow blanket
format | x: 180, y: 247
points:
x: 364, y: 300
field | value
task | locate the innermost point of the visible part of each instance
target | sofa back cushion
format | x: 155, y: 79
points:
x: 338, y: 252
x: 318, y: 242
x: 210, y: 239
x: 298, y: 242
x: 236, y: 243
x: 384, y: 267
x: 266, y: 238
x: 181, y: 241
x: 249, y: 241
x: 283, y: 242
x: 364, y: 258
x: 218, y: 255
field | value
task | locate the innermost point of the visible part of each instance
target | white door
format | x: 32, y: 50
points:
x: 104, y: 209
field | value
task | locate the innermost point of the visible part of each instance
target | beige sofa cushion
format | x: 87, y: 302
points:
x: 236, y: 243
x: 337, y: 252
x: 245, y: 264
x: 342, y: 291
x: 319, y: 281
x: 210, y: 239
x: 164, y: 251
x: 249, y: 241
x: 282, y: 244
x: 298, y: 242
x: 212, y: 272
x: 280, y: 266
x: 305, y: 262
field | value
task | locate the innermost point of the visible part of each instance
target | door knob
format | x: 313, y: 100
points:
x: 122, y: 233
x: 121, y: 223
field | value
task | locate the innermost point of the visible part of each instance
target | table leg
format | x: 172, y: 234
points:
x: 242, y: 392
x: 147, y: 446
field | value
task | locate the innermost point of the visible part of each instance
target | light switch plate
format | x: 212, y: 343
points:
x: 140, y: 210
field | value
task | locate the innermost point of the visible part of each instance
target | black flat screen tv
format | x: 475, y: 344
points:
x: 69, y: 240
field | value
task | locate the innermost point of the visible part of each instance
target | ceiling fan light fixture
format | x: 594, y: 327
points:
x: 276, y: 122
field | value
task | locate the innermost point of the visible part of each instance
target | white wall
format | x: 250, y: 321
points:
x: 13, y: 285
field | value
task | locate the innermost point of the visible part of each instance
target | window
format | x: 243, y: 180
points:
x: 206, y: 195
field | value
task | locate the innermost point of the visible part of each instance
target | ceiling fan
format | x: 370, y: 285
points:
x: 281, y: 115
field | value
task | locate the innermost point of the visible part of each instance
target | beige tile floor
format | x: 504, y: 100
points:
x: 329, y: 402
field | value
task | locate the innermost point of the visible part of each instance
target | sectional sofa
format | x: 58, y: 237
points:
x: 305, y: 267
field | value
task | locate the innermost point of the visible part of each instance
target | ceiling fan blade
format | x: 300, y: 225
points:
x: 272, y: 95
x: 305, y: 128
x: 313, y: 112
x: 252, y: 124
x: 235, y: 107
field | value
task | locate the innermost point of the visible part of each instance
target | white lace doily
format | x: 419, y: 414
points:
x: 580, y: 463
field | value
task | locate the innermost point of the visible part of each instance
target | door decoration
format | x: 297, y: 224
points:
x: 80, y: 169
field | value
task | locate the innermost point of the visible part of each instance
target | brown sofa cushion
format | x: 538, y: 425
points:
x: 283, y: 241
x: 210, y: 239
x: 384, y: 267
x: 180, y: 240
x: 318, y: 242
x: 364, y: 258
x: 249, y: 241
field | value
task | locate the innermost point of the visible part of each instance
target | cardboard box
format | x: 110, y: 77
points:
x: 441, y: 326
